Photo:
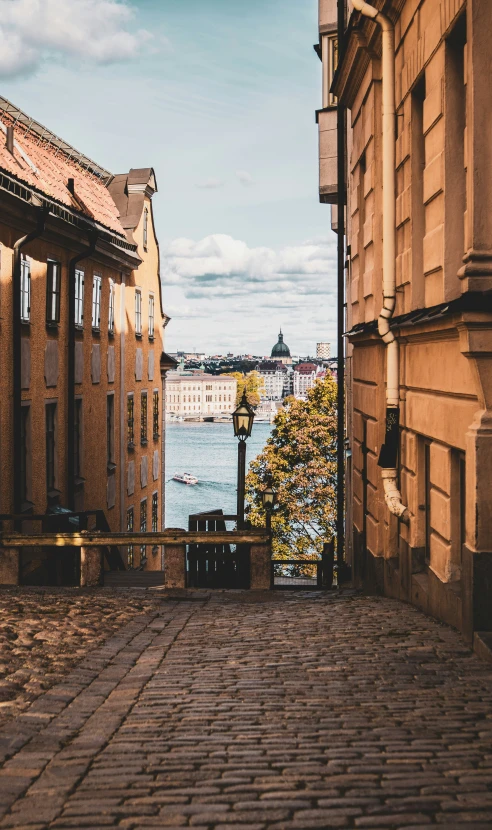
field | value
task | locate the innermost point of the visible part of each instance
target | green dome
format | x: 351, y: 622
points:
x: 280, y: 349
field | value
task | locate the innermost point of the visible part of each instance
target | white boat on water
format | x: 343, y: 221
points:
x: 185, y: 478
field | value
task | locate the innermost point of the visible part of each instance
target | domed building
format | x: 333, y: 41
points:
x: 281, y: 351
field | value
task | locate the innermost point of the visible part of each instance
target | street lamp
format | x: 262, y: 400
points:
x: 268, y: 500
x: 242, y: 419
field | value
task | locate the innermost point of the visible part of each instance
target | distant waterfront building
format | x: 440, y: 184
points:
x: 199, y: 394
x: 323, y: 351
x: 274, y: 375
x: 304, y: 378
x: 281, y: 351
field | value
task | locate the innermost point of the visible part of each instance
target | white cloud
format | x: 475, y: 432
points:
x: 100, y: 31
x: 229, y: 295
x: 244, y: 177
x: 210, y: 184
x: 219, y: 264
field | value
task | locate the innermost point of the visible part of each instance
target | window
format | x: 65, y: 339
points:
x: 129, y: 528
x: 25, y: 289
x: 111, y: 307
x: 77, y: 438
x: 145, y: 228
x: 110, y: 432
x: 143, y: 526
x: 138, y: 313
x: 25, y: 453
x: 96, y: 302
x: 329, y: 57
x: 130, y: 422
x: 155, y: 415
x: 79, y: 298
x: 151, y: 316
x: 143, y: 418
x: 53, y: 279
x: 155, y: 507
x: 50, y: 447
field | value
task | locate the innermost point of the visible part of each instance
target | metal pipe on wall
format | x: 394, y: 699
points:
x: 341, y: 200
x: 389, y: 451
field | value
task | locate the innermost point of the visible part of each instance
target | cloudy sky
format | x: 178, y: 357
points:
x: 219, y: 97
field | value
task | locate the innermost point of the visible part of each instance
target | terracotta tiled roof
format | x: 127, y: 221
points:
x: 49, y: 171
x: 305, y: 368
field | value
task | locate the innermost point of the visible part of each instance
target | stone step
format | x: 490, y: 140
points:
x: 133, y: 579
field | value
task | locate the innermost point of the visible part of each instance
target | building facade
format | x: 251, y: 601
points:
x: 323, y: 351
x: 426, y: 389
x: 304, y: 378
x: 81, y: 420
x: 274, y: 375
x: 197, y: 395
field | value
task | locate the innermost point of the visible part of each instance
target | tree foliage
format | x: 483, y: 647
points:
x: 254, y: 385
x: 300, y: 460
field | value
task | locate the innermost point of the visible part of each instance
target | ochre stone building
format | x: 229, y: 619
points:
x: 81, y: 405
x: 438, y: 552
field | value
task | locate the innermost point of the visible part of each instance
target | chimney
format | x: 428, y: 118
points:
x: 10, y: 140
x: 71, y: 186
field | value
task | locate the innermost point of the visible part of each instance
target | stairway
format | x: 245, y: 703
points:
x: 133, y: 579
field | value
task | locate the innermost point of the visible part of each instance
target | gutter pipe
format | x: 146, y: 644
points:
x: 87, y: 252
x: 341, y: 202
x: 42, y: 214
x: 389, y: 451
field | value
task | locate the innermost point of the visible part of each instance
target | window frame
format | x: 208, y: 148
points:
x: 155, y: 414
x: 143, y: 528
x: 138, y: 312
x: 329, y: 61
x: 111, y: 315
x: 25, y: 289
x: 51, y: 447
x: 53, y: 292
x: 96, y: 302
x: 77, y: 442
x: 144, y: 413
x: 79, y: 298
x: 130, y: 421
x: 130, y: 523
x: 151, y: 316
x: 145, y: 233
x: 110, y: 432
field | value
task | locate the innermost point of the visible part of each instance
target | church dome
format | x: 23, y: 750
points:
x: 280, y: 349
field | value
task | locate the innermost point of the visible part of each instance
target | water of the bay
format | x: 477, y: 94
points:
x: 209, y: 452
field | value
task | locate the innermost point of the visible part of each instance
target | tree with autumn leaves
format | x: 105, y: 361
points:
x: 254, y: 385
x: 299, y: 460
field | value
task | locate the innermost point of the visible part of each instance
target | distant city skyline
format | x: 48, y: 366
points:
x: 226, y: 119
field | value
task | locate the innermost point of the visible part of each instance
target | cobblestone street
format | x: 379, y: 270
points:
x: 259, y: 711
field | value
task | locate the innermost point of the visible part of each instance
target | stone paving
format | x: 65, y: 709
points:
x: 45, y: 632
x: 255, y: 712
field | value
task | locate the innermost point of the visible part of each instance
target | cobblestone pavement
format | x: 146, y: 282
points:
x: 45, y: 632
x: 307, y: 711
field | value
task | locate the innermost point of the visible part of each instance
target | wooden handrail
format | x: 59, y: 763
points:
x: 89, y: 538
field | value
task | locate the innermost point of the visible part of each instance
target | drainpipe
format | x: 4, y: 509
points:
x: 389, y: 451
x: 42, y: 214
x: 87, y: 252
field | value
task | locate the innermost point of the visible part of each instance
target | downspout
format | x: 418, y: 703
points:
x: 389, y: 451
x: 87, y: 252
x: 42, y: 214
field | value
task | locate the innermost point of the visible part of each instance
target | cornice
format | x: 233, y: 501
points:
x: 362, y: 44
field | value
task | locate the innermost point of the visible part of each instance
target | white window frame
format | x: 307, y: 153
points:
x: 53, y: 288
x: 79, y: 298
x: 111, y: 307
x: 138, y: 311
x: 329, y: 58
x: 151, y: 316
x: 96, y: 301
x: 25, y: 290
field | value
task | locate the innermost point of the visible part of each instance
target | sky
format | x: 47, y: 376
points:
x: 219, y: 97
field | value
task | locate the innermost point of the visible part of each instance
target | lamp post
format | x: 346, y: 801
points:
x: 242, y: 419
x: 268, y: 500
